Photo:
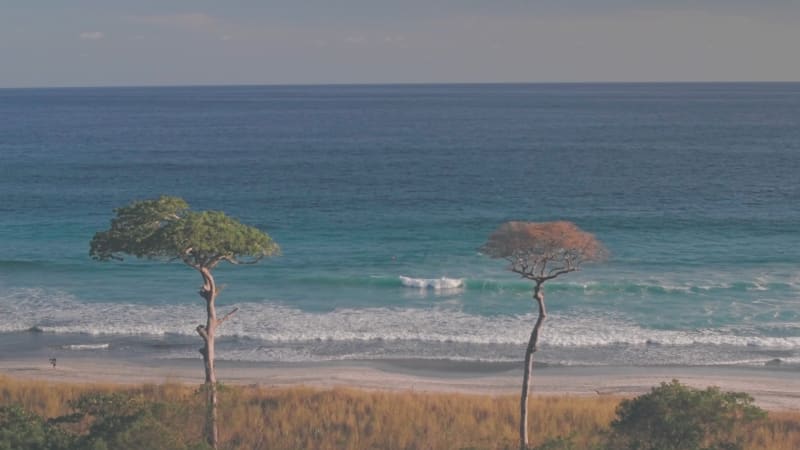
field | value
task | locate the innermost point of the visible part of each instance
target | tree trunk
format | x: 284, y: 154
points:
x: 208, y: 333
x: 538, y: 295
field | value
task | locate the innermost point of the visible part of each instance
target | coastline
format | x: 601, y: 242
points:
x: 773, y: 388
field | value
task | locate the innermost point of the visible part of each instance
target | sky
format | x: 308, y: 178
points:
x: 199, y: 42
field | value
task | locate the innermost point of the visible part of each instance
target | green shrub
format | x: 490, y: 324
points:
x: 676, y: 417
x: 99, y: 422
x: 20, y: 429
x: 122, y: 422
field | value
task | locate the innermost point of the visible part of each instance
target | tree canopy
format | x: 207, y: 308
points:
x: 544, y: 250
x: 165, y: 228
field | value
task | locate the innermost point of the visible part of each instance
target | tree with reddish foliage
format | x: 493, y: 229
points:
x: 540, y: 252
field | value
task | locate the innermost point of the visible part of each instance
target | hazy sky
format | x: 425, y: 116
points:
x: 164, y: 42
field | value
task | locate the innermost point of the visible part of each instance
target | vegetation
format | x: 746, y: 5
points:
x: 540, y: 252
x: 166, y: 229
x: 20, y: 429
x: 675, y: 417
x: 166, y: 416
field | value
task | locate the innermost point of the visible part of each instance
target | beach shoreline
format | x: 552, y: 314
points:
x: 773, y: 388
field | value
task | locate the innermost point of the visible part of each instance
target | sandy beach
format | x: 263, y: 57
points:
x: 773, y: 389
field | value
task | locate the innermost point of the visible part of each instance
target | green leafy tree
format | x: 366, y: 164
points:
x: 166, y: 229
x: 540, y: 252
x: 676, y: 417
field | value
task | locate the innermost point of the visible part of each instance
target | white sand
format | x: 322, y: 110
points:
x: 772, y: 389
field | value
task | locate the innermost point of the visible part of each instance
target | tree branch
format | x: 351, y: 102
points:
x: 187, y: 259
x: 201, y: 330
x: 560, y: 272
x: 226, y: 316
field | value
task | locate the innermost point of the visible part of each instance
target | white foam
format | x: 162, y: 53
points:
x: 55, y: 312
x: 441, y: 322
x: 86, y: 346
x: 432, y: 283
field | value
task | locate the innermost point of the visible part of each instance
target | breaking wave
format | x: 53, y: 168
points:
x: 644, y: 286
x: 47, y: 312
x: 86, y: 346
x: 432, y: 283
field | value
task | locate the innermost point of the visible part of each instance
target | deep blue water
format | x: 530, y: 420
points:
x: 694, y: 188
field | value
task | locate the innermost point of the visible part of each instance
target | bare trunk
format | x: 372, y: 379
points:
x: 538, y: 295
x: 208, y: 333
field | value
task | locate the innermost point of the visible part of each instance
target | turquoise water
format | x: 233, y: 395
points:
x: 694, y: 188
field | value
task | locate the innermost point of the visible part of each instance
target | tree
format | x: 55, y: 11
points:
x: 165, y: 229
x: 676, y: 417
x: 540, y: 252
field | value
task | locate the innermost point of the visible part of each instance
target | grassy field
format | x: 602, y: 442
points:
x: 303, y: 418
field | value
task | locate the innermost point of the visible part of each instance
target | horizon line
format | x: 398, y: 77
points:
x: 366, y: 84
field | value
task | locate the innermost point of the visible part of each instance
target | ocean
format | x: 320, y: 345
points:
x: 381, y: 195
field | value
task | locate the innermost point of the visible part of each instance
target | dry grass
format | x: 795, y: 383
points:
x: 780, y: 432
x: 354, y: 419
x: 304, y: 418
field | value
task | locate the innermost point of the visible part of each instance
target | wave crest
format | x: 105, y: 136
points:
x: 86, y: 346
x: 432, y: 283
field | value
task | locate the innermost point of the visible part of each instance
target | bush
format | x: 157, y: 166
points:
x: 99, y: 422
x: 122, y: 422
x: 676, y: 417
x: 20, y: 429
